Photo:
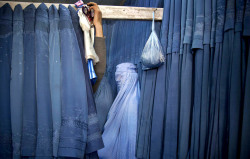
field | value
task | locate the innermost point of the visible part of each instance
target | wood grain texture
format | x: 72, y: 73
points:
x: 108, y: 12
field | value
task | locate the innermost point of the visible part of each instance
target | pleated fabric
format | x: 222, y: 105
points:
x: 201, y: 73
x: 206, y: 79
x: 196, y: 105
x: 201, y: 103
x: 244, y: 152
x: 148, y: 83
x: 216, y: 147
x: 237, y: 83
x: 204, y: 121
x: 44, y: 147
x: 156, y: 144
x: 74, y: 124
x: 103, y: 99
x: 245, y: 140
x: 29, y: 127
x: 212, y: 151
x: 208, y: 104
x: 227, y: 54
x: 157, y: 132
x: 213, y: 77
x: 6, y: 36
x: 145, y: 110
x: 55, y: 74
x: 198, y: 62
x: 173, y: 82
x: 235, y: 97
x: 118, y: 52
x: 183, y: 23
x: 129, y: 48
x: 197, y: 44
x: 172, y: 107
x: 170, y: 28
x: 209, y: 113
x: 246, y: 30
x: 94, y: 139
x: 186, y: 92
x: 185, y: 102
x: 224, y: 83
x: 16, y: 83
x: 224, y: 76
x: 119, y: 134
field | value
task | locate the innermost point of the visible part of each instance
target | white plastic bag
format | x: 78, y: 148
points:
x: 152, y: 54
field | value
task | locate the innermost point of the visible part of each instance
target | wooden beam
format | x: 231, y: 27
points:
x: 108, y: 12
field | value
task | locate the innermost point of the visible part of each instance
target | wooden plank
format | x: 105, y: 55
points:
x: 108, y: 12
x: 123, y: 12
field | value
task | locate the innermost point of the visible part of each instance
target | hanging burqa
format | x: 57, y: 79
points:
x: 29, y: 129
x: 74, y: 124
x: 55, y: 74
x: 44, y: 138
x: 16, y: 84
x: 5, y: 72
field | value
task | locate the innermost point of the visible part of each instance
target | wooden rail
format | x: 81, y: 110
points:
x: 108, y: 12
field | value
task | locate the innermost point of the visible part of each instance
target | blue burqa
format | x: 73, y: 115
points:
x: 119, y: 134
x: 16, y: 84
x: 5, y: 69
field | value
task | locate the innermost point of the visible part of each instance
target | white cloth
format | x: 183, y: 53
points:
x: 88, y: 37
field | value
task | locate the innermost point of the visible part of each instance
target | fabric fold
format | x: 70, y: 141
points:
x: 74, y: 123
x: 29, y: 130
x: 94, y: 139
x: 6, y: 38
x: 44, y: 146
x: 16, y: 83
x: 55, y: 74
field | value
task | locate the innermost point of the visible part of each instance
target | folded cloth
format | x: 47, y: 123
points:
x: 88, y: 37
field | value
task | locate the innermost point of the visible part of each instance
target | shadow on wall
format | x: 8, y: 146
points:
x: 101, y: 2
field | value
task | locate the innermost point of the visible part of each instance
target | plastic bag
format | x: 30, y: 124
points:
x: 152, y: 54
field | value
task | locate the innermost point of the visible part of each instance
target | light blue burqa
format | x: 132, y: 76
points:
x: 119, y: 134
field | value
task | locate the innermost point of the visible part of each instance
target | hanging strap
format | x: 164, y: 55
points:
x: 153, y: 22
